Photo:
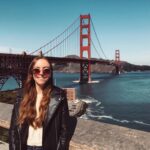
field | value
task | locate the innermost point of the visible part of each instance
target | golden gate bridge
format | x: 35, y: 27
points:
x: 75, y: 40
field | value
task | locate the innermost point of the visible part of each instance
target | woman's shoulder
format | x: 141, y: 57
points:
x: 58, y: 91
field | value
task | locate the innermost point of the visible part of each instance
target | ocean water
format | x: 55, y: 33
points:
x: 123, y: 99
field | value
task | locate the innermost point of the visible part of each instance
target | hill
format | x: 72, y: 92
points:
x: 73, y: 67
x: 131, y: 67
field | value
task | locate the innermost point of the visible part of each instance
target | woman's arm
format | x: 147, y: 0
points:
x: 63, y: 143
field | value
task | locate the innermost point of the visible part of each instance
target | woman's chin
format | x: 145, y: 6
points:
x: 41, y: 84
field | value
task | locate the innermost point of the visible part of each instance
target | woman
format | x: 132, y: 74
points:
x: 39, y: 118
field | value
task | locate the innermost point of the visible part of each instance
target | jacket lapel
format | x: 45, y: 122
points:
x: 53, y: 105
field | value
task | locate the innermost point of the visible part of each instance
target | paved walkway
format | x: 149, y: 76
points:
x: 5, y: 114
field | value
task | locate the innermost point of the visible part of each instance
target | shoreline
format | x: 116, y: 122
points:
x: 9, y: 97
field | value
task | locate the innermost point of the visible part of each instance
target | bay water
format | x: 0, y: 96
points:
x: 122, y: 99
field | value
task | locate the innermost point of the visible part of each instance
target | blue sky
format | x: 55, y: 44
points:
x: 120, y: 24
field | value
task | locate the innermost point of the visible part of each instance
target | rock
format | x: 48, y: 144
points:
x: 77, y: 108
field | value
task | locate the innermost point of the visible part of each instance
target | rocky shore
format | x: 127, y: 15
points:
x: 9, y: 96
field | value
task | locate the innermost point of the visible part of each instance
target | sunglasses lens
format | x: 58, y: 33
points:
x: 36, y: 71
x: 46, y: 72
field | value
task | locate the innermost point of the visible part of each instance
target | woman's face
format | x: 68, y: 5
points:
x: 41, y: 72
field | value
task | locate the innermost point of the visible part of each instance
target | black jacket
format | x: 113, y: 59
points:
x: 54, y: 126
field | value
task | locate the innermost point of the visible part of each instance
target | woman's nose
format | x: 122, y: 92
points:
x: 41, y: 72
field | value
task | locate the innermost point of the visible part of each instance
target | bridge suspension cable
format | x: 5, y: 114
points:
x: 95, y: 48
x: 61, y: 41
x: 62, y: 46
x: 56, y: 38
x: 98, y: 40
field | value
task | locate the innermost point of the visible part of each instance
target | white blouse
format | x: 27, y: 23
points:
x: 35, y: 135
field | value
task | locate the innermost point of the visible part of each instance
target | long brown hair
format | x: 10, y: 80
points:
x: 27, y: 110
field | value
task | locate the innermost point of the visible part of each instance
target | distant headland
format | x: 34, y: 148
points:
x: 98, y: 68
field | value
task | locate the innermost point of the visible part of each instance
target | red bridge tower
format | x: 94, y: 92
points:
x: 85, y: 46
